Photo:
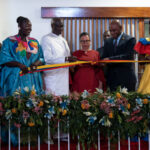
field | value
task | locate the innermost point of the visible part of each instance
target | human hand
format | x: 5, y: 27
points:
x: 93, y: 63
x: 33, y: 66
x: 71, y: 58
x: 106, y: 58
x: 104, y: 64
x: 37, y: 63
x: 147, y: 57
x: 23, y: 68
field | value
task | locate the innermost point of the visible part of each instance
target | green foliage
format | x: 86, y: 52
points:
x: 82, y: 115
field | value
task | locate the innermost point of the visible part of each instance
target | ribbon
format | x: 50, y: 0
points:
x: 63, y: 65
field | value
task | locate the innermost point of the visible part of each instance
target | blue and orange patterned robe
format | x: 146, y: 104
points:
x: 14, y: 49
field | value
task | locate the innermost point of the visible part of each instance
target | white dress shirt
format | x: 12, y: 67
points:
x: 55, y: 49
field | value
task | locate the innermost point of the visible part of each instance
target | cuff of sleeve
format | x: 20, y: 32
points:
x: 115, y: 57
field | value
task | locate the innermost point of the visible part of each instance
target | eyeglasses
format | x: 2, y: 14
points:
x: 85, y: 41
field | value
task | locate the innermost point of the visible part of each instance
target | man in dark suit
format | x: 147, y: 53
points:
x: 106, y: 35
x: 119, y: 47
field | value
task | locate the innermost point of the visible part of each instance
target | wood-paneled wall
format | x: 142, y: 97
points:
x: 95, y: 27
x: 95, y: 20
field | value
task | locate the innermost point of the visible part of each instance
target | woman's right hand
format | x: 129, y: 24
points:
x: 23, y: 68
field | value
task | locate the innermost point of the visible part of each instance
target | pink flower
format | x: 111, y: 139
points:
x: 122, y: 101
x: 85, y: 104
x: 1, y: 106
x: 18, y: 125
x: 70, y: 96
x: 38, y: 110
x: 138, y: 119
x: 103, y: 105
x: 1, y: 109
x: 57, y: 98
x: 106, y: 107
x: 76, y: 96
x: 25, y: 115
x: 128, y: 120
x: 135, y: 112
x: 135, y: 119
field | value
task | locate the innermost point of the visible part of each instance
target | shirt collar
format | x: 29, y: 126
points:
x: 118, y: 39
x: 55, y: 35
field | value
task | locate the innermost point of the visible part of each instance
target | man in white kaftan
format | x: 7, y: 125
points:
x: 56, y: 50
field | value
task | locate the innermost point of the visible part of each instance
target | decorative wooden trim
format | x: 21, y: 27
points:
x: 122, y: 24
x: 97, y: 12
x: 136, y: 27
x: 131, y: 28
x: 141, y: 28
x: 127, y: 26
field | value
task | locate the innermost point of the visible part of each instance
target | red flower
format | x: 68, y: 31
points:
x: 18, y: 125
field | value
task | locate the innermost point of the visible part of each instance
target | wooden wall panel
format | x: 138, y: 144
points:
x: 96, y: 20
x: 95, y: 12
x: 141, y: 28
x: 96, y: 27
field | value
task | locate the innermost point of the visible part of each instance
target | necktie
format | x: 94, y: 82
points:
x: 115, y: 45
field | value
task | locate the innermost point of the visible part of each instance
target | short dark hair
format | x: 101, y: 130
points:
x: 84, y: 34
x: 56, y: 20
x: 115, y: 21
x: 21, y: 19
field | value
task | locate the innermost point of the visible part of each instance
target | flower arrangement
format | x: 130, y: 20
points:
x: 79, y: 114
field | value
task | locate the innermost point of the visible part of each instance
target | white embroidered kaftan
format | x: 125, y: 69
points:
x: 55, y: 49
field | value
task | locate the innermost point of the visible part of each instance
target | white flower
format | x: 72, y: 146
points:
x: 126, y: 113
x: 16, y: 93
x: 124, y: 90
x: 33, y: 87
x: 85, y: 94
x: 26, y: 89
x: 99, y: 90
x: 102, y: 121
x: 107, y: 123
x: 87, y: 113
x: 46, y: 101
x: 34, y: 102
x: 8, y: 114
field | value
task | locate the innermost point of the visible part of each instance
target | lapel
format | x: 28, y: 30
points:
x: 111, y: 41
x: 121, y: 40
x: 112, y: 47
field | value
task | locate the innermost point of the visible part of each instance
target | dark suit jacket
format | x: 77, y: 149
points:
x: 101, y: 51
x: 120, y: 74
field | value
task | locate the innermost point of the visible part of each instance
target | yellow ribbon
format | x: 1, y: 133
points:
x: 92, y: 62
